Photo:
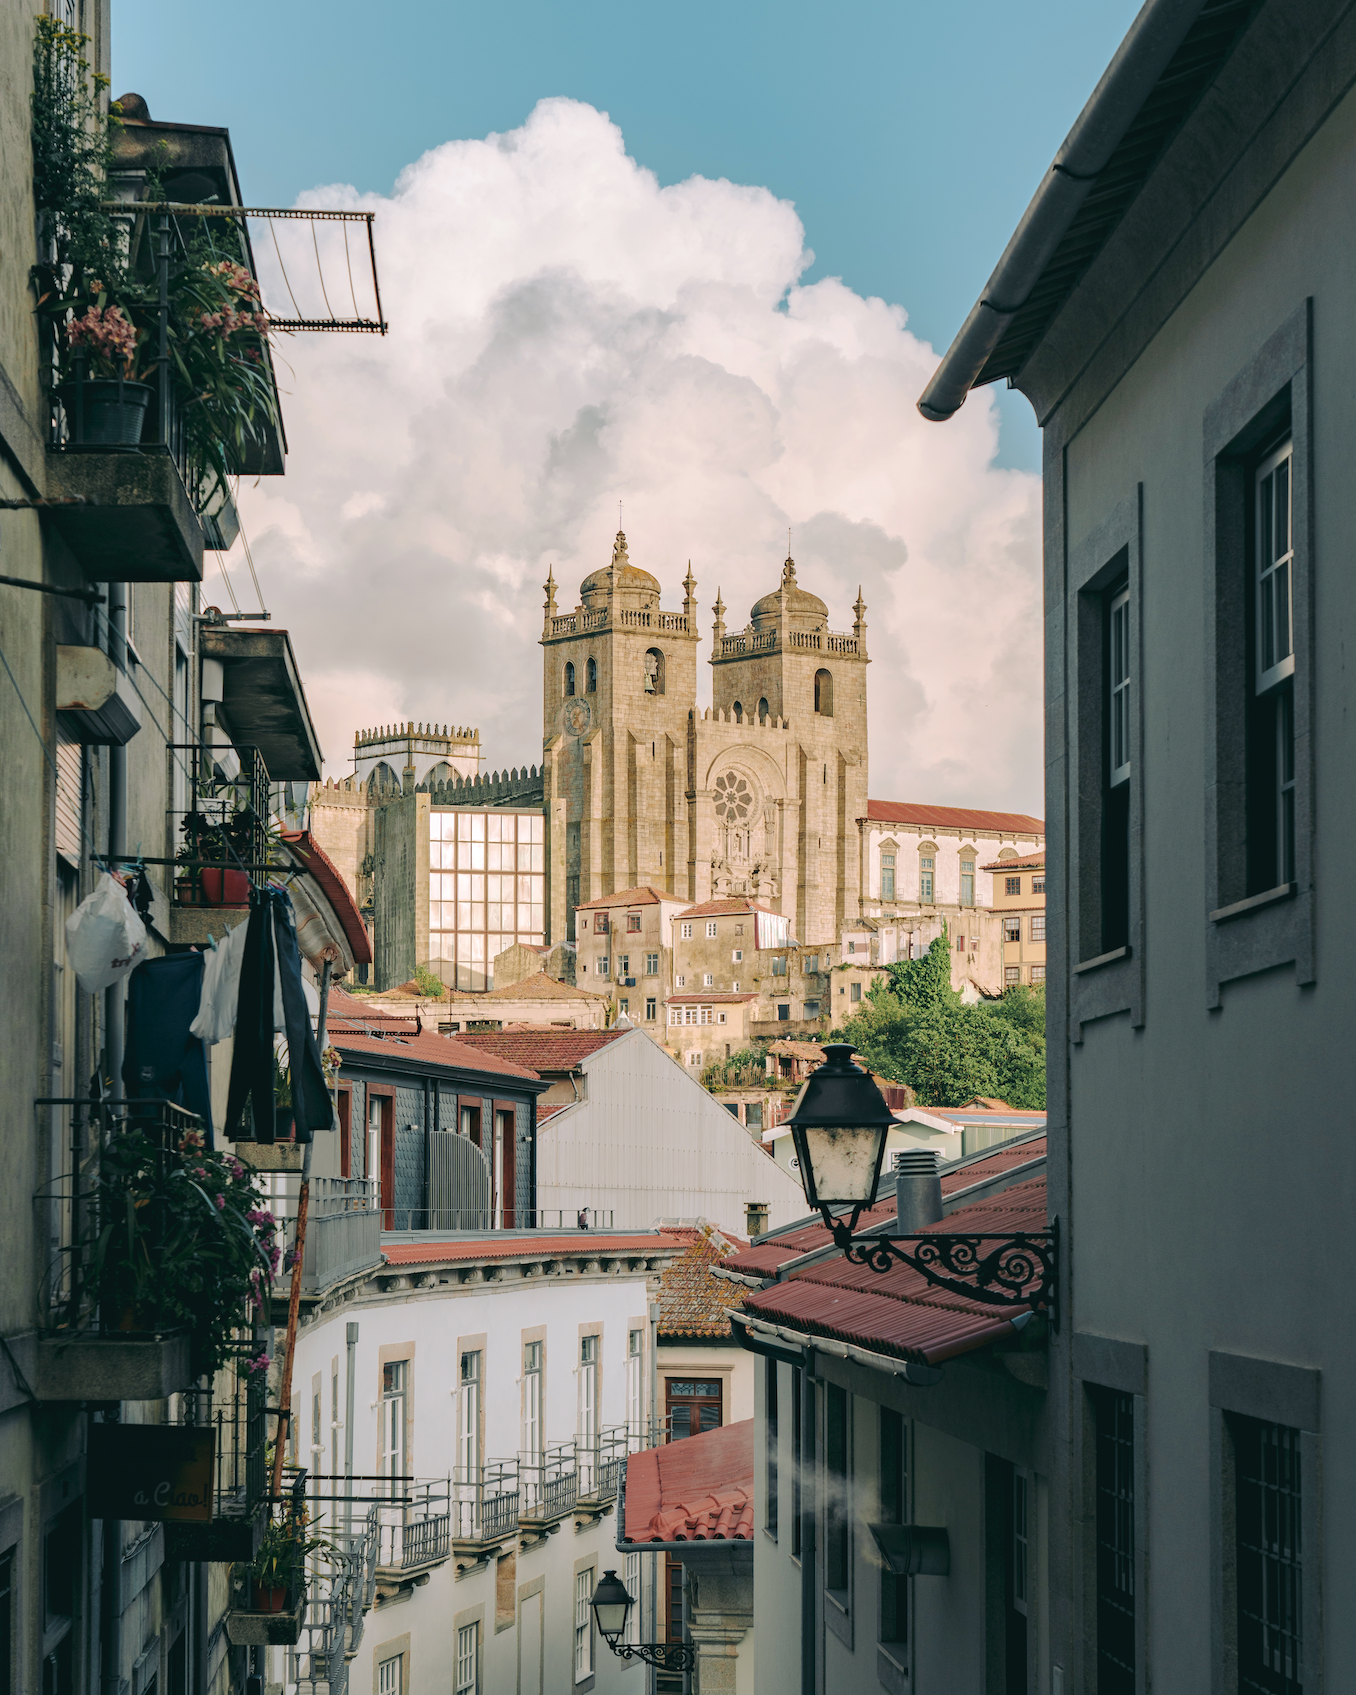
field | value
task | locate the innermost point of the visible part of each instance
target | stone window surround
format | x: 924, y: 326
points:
x: 397, y: 1647
x: 1102, y: 984
x: 1277, y: 1394
x: 1244, y: 936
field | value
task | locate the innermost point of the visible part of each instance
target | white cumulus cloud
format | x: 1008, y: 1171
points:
x: 566, y: 333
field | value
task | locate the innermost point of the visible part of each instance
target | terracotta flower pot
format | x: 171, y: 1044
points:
x: 224, y: 888
x: 270, y: 1598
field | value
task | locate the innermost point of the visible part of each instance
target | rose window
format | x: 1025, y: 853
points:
x: 734, y: 799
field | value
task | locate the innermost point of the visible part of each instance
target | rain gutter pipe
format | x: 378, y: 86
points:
x: 1140, y: 60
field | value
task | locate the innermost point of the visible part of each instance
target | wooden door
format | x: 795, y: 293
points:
x: 692, y: 1405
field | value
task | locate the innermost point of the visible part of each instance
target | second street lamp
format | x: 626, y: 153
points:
x: 611, y: 1607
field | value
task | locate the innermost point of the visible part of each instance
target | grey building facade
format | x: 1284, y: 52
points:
x: 1175, y: 304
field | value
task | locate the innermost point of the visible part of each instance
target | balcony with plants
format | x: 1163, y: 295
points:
x: 154, y: 340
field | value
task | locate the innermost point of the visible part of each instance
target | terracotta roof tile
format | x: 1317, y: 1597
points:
x: 953, y: 817
x: 542, y: 1049
x: 1028, y: 862
x: 714, y: 908
x: 691, y: 1301
x: 710, y: 997
x: 443, y: 1051
x: 699, y: 1489
x: 645, y: 894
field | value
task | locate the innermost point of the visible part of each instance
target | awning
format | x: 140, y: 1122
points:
x: 328, y: 920
x: 263, y: 700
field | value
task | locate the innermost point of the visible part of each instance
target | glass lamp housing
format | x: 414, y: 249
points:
x: 839, y: 1125
x: 611, y: 1604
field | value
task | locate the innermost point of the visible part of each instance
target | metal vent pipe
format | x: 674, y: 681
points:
x: 918, y: 1188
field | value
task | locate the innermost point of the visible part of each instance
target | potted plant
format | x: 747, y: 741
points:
x: 277, y: 1573
x: 181, y: 1239
x: 230, y: 837
x: 282, y: 1094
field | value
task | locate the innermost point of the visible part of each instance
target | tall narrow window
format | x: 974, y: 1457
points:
x: 583, y: 1625
x: 836, y: 1506
x: 588, y: 1390
x: 468, y: 1659
x: 926, y: 871
x: 1114, y: 1418
x: 762, y: 708
x: 887, y: 876
x: 894, y: 1501
x: 1271, y: 738
x: 532, y: 1363
x: 393, y: 1379
x: 390, y: 1676
x: 797, y: 1445
x: 824, y: 694
x: 1116, y: 759
x: 569, y: 679
x: 635, y: 1354
x: 1021, y: 1539
x: 1267, y: 1528
x: 468, y: 1417
x: 967, y: 882
x: 591, y: 674
x: 633, y: 1576
x: 771, y: 1498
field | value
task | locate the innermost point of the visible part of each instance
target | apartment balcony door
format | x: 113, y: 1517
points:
x: 692, y: 1405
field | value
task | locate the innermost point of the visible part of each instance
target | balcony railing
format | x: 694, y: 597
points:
x: 485, y: 1501
x: 232, y: 1407
x: 548, y: 1482
x: 408, y: 1220
x: 342, y: 1588
x: 417, y: 1531
x: 343, y: 1227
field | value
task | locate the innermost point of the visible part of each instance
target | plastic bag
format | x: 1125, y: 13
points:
x: 104, y: 936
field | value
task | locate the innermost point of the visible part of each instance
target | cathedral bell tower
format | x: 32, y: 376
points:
x: 618, y: 683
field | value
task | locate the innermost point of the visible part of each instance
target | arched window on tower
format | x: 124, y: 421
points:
x: 737, y: 710
x: 383, y: 780
x: 591, y: 675
x: 654, y: 671
x: 762, y: 709
x: 569, y: 679
x: 824, y: 694
x: 442, y: 772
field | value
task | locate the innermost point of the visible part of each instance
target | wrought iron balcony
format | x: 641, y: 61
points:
x: 485, y: 1501
x: 548, y: 1483
x: 417, y: 1532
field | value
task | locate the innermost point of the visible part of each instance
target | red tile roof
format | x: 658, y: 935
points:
x: 544, y: 1048
x: 437, y: 1051
x: 326, y: 873
x: 699, y: 1489
x: 358, y: 1011
x: 715, y: 908
x: 645, y: 894
x: 899, y: 1312
x: 1028, y: 862
x: 953, y: 818
x: 493, y: 1246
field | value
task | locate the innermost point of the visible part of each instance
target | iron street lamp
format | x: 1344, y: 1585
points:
x: 611, y: 1607
x: 839, y: 1124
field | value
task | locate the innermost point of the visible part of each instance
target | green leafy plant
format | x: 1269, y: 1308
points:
x: 287, y: 1541
x: 182, y: 1238
x: 429, y: 982
x: 745, y: 1069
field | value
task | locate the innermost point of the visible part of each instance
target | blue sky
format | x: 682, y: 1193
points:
x: 909, y: 136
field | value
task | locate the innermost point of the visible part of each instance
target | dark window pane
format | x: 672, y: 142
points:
x: 1267, y: 1526
x: 1115, y: 1419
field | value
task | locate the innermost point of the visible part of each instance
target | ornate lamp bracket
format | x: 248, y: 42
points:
x: 663, y: 1656
x: 1000, y: 1268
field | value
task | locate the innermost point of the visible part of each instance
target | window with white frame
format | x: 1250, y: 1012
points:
x: 583, y: 1625
x: 651, y: 964
x: 708, y: 981
x: 686, y: 932
x: 588, y: 1388
x: 633, y: 1578
x: 681, y: 980
x: 603, y: 965
x: 887, y: 876
x: 1118, y: 681
x: 694, y: 1058
x: 394, y: 1376
x: 532, y: 1372
x: 635, y: 1355
x: 1038, y: 927
x: 623, y: 965
x: 391, y: 1676
x: 468, y: 1416
x: 1037, y: 973
x: 1275, y: 669
x: 468, y: 1659
x: 650, y: 1007
x: 927, y: 867
x: 737, y: 955
x: 720, y: 1018
x: 710, y: 929
x: 967, y: 882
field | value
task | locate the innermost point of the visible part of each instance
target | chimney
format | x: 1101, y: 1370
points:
x: 918, y: 1189
x: 755, y: 1217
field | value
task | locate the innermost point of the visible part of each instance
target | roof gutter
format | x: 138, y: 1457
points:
x: 1140, y: 61
x: 921, y: 1376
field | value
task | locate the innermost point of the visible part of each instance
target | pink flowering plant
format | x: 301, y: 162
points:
x: 182, y: 1238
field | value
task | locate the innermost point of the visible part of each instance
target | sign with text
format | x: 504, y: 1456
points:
x: 155, y: 1471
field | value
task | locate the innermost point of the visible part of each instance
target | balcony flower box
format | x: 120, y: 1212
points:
x: 112, y: 1366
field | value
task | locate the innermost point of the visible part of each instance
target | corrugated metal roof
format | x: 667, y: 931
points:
x: 953, y: 817
x: 699, y: 1489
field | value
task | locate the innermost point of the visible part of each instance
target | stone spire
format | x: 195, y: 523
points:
x: 718, y: 628
x: 550, y: 587
x: 690, y: 597
x: 859, y: 607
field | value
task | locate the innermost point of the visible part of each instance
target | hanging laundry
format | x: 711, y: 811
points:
x: 221, y: 987
x: 270, y: 952
x: 162, y: 1059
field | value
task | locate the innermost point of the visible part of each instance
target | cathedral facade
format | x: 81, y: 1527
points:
x: 757, y: 796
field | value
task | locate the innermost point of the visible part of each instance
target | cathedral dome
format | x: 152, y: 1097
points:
x: 625, y: 575
x: 807, y: 611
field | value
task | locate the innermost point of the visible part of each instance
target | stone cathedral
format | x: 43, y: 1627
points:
x: 758, y: 796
